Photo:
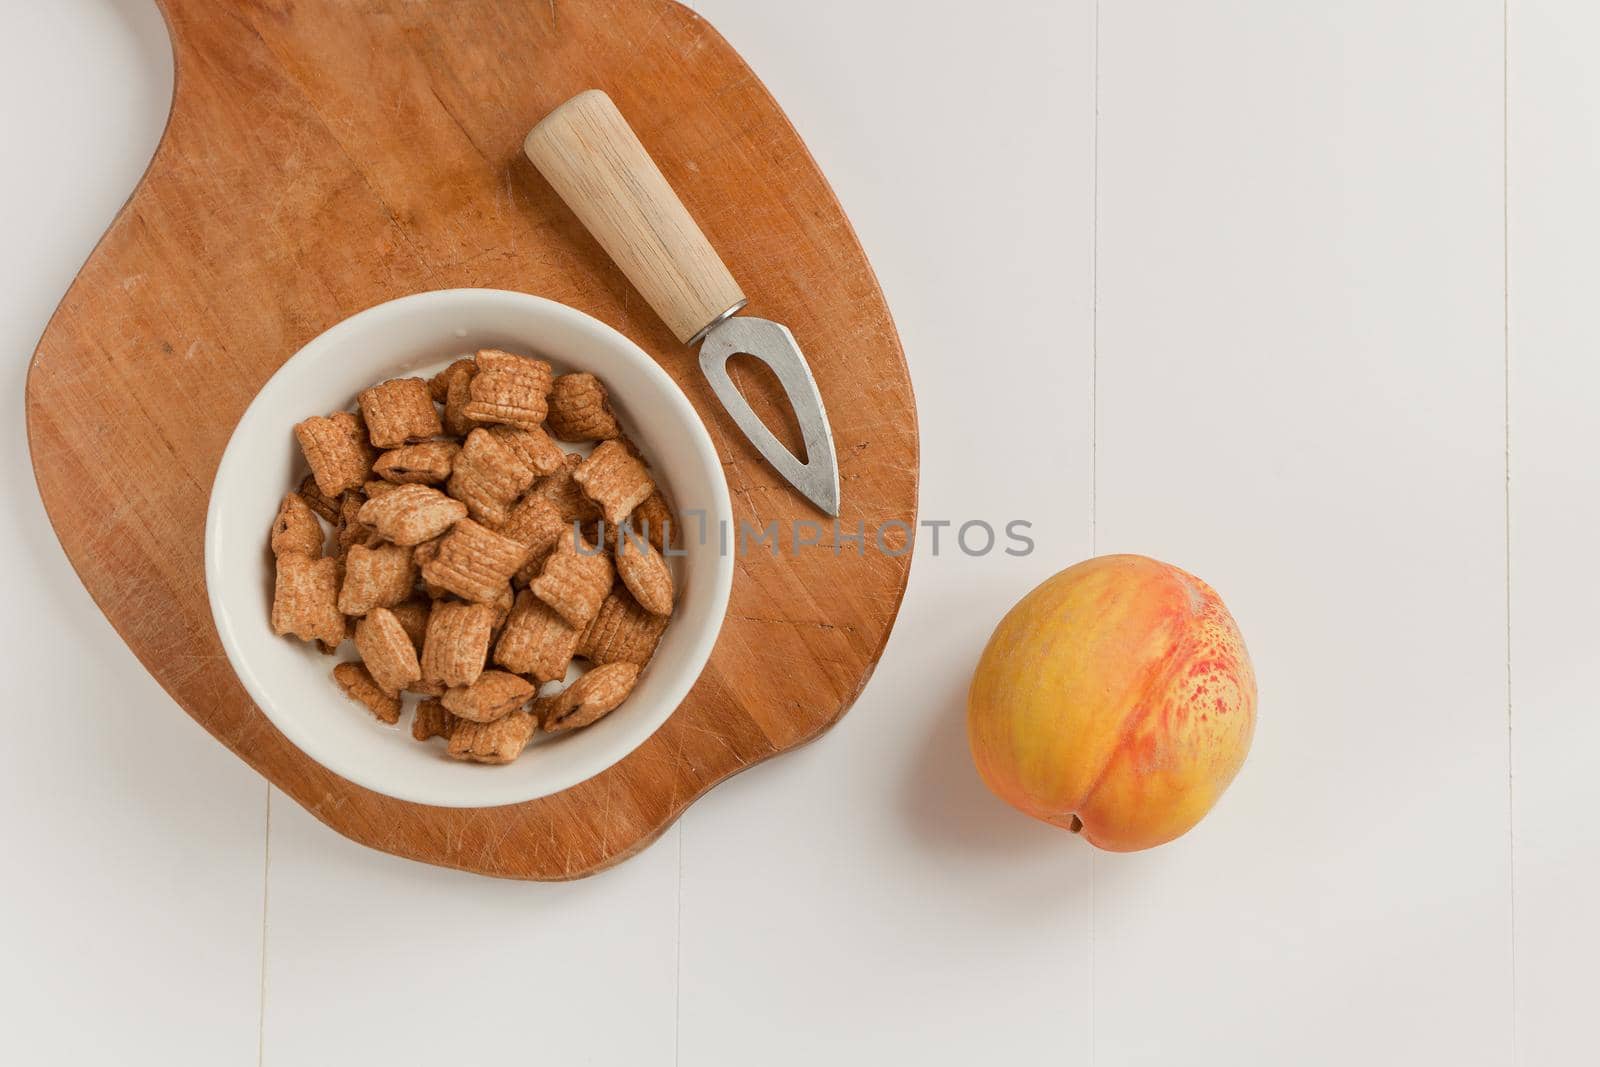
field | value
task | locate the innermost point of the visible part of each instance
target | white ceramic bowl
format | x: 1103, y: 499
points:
x: 418, y: 335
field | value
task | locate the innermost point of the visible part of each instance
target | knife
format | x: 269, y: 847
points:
x: 590, y: 155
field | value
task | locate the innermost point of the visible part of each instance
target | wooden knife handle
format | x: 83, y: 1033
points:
x: 588, y: 152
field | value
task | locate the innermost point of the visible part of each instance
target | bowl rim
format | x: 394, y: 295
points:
x: 717, y: 509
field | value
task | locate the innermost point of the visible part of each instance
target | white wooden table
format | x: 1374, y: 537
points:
x: 1296, y: 295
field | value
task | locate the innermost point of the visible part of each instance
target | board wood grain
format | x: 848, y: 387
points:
x: 325, y: 155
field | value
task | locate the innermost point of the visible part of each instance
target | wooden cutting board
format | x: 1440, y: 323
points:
x: 326, y: 155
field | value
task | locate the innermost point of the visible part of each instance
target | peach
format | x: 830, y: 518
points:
x: 1116, y: 700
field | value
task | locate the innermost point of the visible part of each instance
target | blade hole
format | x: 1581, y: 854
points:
x: 762, y: 390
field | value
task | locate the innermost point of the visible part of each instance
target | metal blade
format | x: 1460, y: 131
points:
x: 774, y: 345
